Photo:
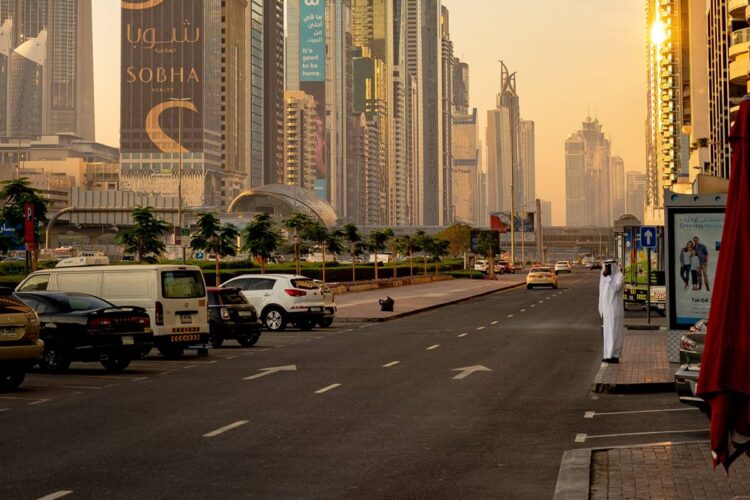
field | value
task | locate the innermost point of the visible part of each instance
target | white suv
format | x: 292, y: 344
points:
x: 281, y: 299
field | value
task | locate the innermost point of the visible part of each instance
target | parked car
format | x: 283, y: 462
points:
x: 481, y: 265
x: 174, y: 296
x: 563, y: 266
x: 282, y: 299
x: 541, y: 276
x: 82, y: 327
x: 504, y: 267
x: 686, y: 377
x: 231, y: 316
x: 329, y: 305
x: 20, y: 345
x: 597, y: 264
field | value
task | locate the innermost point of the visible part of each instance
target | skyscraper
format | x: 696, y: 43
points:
x: 460, y: 87
x: 465, y: 175
x: 300, y: 134
x: 617, y: 187
x: 527, y: 165
x: 546, y: 207
x: 587, y: 176
x: 432, y: 180
x: 446, y: 107
x: 255, y: 101
x: 273, y: 90
x: 400, y: 185
x: 415, y: 149
x: 64, y: 78
x: 635, y: 195
x: 174, y: 99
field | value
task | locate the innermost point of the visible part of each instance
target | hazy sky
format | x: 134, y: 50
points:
x: 571, y: 56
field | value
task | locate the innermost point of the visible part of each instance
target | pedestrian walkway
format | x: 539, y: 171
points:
x: 643, y: 366
x: 663, y: 470
x: 364, y: 306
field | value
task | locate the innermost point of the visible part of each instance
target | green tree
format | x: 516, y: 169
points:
x: 144, y: 239
x: 437, y: 248
x: 458, y: 237
x: 212, y: 237
x: 261, y: 239
x: 14, y: 194
x: 488, y: 244
x: 354, y: 239
x: 295, y: 225
x: 405, y: 245
x: 421, y: 243
x: 318, y: 234
x: 376, y: 244
x: 393, y: 247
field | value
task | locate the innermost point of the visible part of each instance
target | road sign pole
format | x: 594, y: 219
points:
x: 648, y: 287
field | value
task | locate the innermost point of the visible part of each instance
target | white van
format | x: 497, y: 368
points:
x: 174, y: 296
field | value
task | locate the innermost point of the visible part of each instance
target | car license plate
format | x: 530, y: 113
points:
x: 316, y: 309
x: 127, y: 340
x: 245, y: 314
x: 8, y: 331
x: 186, y: 319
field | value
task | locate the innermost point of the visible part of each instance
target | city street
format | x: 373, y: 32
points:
x: 475, y: 400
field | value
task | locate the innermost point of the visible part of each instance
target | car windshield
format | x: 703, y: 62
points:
x: 68, y: 303
x: 182, y: 285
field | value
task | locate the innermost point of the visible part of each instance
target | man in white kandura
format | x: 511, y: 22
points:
x: 612, y: 311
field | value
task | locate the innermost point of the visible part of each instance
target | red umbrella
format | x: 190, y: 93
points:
x: 724, y: 380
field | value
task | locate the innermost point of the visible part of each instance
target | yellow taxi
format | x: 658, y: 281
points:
x: 541, y: 276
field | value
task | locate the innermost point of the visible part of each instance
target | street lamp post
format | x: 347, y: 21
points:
x: 179, y: 174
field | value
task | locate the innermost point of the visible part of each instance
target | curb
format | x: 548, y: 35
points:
x: 425, y: 309
x: 644, y: 327
x: 640, y: 388
x: 574, y: 477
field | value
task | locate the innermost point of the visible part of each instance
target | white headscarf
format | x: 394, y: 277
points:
x: 608, y: 287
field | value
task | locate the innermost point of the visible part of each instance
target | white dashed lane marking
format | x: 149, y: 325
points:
x: 433, y: 347
x: 224, y: 429
x: 463, y: 335
x: 328, y: 388
x: 56, y: 495
x: 480, y: 328
x: 494, y: 322
x: 392, y: 363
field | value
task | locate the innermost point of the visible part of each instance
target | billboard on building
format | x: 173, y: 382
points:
x: 312, y: 41
x: 500, y: 221
x: 162, y: 71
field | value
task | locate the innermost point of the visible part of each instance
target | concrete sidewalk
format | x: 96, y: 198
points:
x: 364, y: 306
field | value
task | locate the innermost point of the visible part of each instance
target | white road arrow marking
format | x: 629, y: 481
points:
x: 468, y: 370
x: 269, y: 371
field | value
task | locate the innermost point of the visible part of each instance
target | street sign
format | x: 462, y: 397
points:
x: 199, y: 255
x: 649, y: 238
x: 185, y: 231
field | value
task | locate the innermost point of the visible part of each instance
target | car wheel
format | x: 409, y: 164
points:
x: 116, y: 362
x: 171, y: 351
x: 528, y: 287
x: 55, y: 358
x: 11, y: 379
x: 305, y: 325
x: 325, y: 322
x: 216, y: 341
x: 248, y: 341
x: 274, y: 319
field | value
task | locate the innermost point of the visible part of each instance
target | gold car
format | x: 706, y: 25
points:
x: 20, y: 345
x: 541, y: 276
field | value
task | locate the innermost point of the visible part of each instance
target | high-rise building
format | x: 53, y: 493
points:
x: 431, y: 188
x: 728, y: 48
x: 635, y: 194
x: 300, y: 136
x: 46, y: 68
x: 466, y: 164
x: 173, y: 128
x: 256, y: 92
x: 446, y: 107
x: 546, y: 207
x: 400, y: 172
x: 587, y: 176
x: 504, y: 192
x: 460, y: 87
x: 617, y: 187
x: 415, y: 108
x: 273, y: 90
x: 527, y: 165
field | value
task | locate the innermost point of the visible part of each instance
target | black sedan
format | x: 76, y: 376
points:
x: 81, y: 327
x: 231, y: 316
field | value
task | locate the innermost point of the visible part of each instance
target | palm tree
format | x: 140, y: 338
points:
x: 14, y: 195
x: 144, y: 239
x: 295, y: 224
x: 376, y: 244
x: 352, y: 236
x: 318, y: 234
x: 261, y: 239
x: 421, y: 242
x: 212, y: 237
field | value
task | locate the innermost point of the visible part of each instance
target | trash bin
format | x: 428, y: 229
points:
x: 386, y: 304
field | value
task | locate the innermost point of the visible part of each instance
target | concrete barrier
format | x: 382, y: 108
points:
x: 341, y: 288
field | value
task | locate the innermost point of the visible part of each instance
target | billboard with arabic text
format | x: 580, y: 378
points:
x: 312, y: 41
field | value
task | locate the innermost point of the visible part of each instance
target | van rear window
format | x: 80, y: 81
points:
x: 182, y: 285
x: 305, y: 284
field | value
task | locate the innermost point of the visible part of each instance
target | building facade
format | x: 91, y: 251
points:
x: 273, y: 90
x: 617, y: 187
x: 446, y: 106
x: 431, y: 189
x: 300, y: 136
x: 635, y: 194
x: 587, y: 176
x: 527, y: 164
x: 466, y: 166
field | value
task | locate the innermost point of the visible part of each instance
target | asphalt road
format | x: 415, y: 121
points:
x: 369, y: 411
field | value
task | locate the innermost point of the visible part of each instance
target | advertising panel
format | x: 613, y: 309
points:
x: 500, y: 221
x: 312, y: 41
x: 162, y: 59
x: 695, y: 242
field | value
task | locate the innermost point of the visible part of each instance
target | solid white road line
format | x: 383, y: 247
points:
x: 480, y: 328
x: 666, y: 410
x: 392, y: 363
x: 463, y: 335
x: 189, y: 367
x: 433, y: 347
x: 92, y: 388
x: 651, y: 433
x: 224, y: 429
x: 589, y: 414
x: 326, y: 389
x: 494, y: 322
x: 138, y: 379
x: 57, y: 494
